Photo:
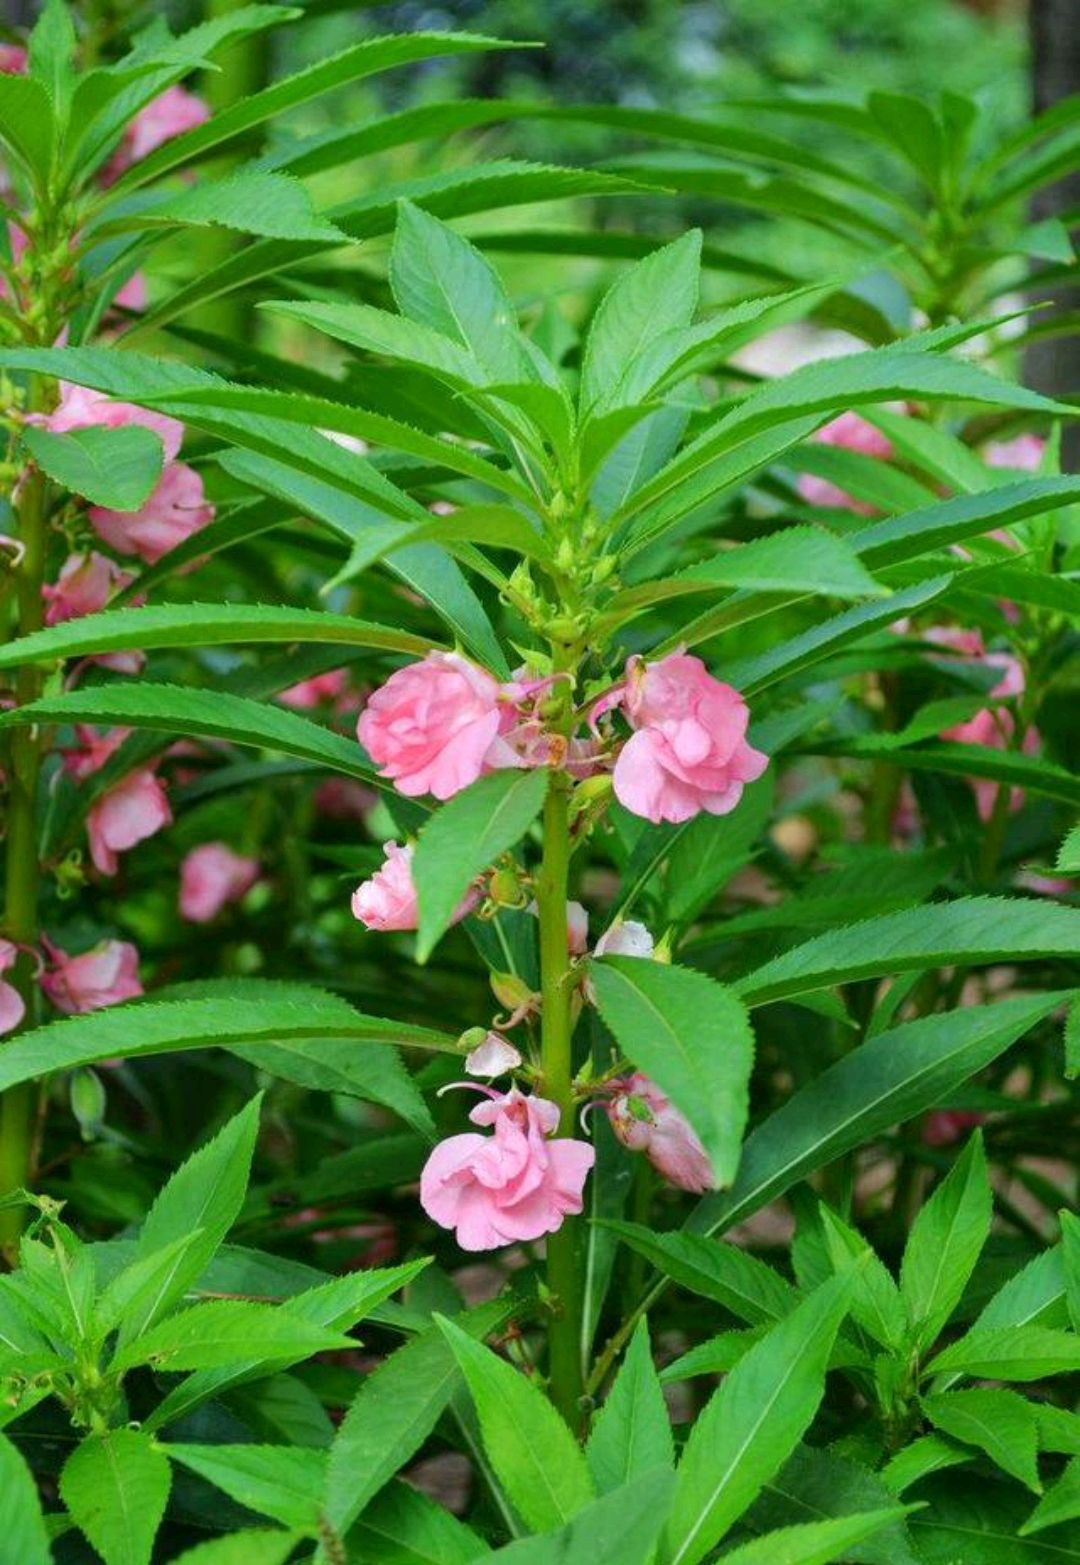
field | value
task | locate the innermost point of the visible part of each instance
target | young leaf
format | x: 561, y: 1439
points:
x: 876, y: 1303
x: 249, y: 201
x: 631, y: 1435
x: 282, y: 1482
x: 730, y: 1275
x: 1060, y: 1503
x: 692, y: 1036
x: 946, y: 1240
x: 465, y: 836
x: 620, y: 1528
x: 22, y: 1525
x: 751, y: 1425
x: 115, y: 468
x: 653, y: 297
x: 222, y: 1332
x: 249, y: 1546
x: 535, y: 1457
x: 1001, y: 1423
x: 1020, y: 1353
x: 115, y: 1487
x: 816, y: 1543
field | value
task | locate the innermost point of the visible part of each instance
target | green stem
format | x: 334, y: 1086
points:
x: 564, y: 1250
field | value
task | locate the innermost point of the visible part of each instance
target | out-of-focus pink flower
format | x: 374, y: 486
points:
x: 1045, y: 885
x: 13, y: 59
x: 626, y: 937
x: 92, y: 750
x: 387, y: 901
x: 945, y: 1127
x: 211, y: 876
x: 1023, y: 452
x: 310, y: 693
x: 509, y: 1187
x: 79, y: 408
x: 134, y: 295
x: 849, y: 432
x: 436, y: 726
x: 689, y: 751
x: 12, y: 1006
x: 577, y: 928
x: 994, y: 727
x: 645, y: 1120
x: 133, y: 809
x: 169, y: 114
x: 104, y: 975
x: 494, y: 1057
x: 342, y: 799
x: 176, y: 509
x: 85, y: 584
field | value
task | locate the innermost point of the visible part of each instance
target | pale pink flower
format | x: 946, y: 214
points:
x: 645, y: 1120
x: 577, y: 929
x: 993, y: 727
x: 176, y: 509
x: 85, y: 584
x: 626, y: 937
x: 13, y: 59
x: 1045, y: 885
x: 12, y: 1006
x: 1023, y: 452
x: 211, y: 876
x: 689, y: 751
x: 849, y: 432
x: 494, y: 1057
x: 105, y: 975
x: 80, y: 408
x: 437, y: 725
x: 130, y: 811
x: 134, y: 295
x: 387, y: 900
x: 509, y: 1187
x: 92, y: 751
x: 317, y: 690
x: 169, y: 114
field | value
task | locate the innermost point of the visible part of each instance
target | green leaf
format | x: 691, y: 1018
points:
x: 751, y: 1425
x: 402, y: 1524
x: 819, y: 1482
x: 204, y: 625
x: 1070, y: 1250
x: 968, y: 932
x: 115, y: 1487
x: 726, y: 1273
x: 929, y: 1454
x: 1019, y: 1353
x: 1001, y: 1423
x: 704, y: 854
x: 692, y: 1037
x: 249, y: 201
x: 27, y: 124
x: 945, y: 1241
x: 618, y: 1529
x: 815, y: 1543
x: 655, y: 296
x: 392, y: 1414
x: 249, y: 1546
x: 1068, y: 859
x: 876, y: 1303
x: 1060, y: 1503
x: 466, y: 835
x: 533, y: 1453
x: 222, y: 1331
x: 282, y: 1482
x: 203, y: 1197
x: 901, y: 538
x: 631, y: 1434
x: 21, y: 1521
x: 968, y: 1520
x: 116, y: 468
x: 887, y: 1081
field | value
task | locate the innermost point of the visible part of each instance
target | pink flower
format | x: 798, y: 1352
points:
x: 176, y: 509
x: 133, y: 809
x: 577, y: 929
x: 849, y: 432
x: 314, y: 692
x: 79, y: 408
x: 211, y: 876
x: 494, y: 1057
x: 645, y: 1120
x: 1024, y: 452
x: 436, y: 726
x: 13, y: 59
x: 104, y: 975
x: 12, y: 1006
x: 688, y: 752
x: 169, y: 114
x: 993, y: 727
x: 85, y: 585
x: 92, y: 751
x: 134, y: 295
x: 512, y: 1186
x: 341, y: 799
x: 945, y: 1127
x: 387, y: 901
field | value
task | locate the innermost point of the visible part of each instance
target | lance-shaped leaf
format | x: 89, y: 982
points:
x: 814, y: 1543
x: 631, y: 1435
x: 115, y: 1487
x: 945, y: 1242
x: 280, y: 1481
x: 620, y: 1528
x: 1001, y: 1423
x: 656, y: 296
x: 692, y: 1036
x: 1021, y: 1353
x: 22, y: 1525
x: 116, y: 468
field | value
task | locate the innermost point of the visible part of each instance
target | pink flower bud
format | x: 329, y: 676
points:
x: 85, y: 584
x: 688, y: 752
x: 12, y: 1006
x: 494, y: 1057
x: 387, y: 901
x: 645, y: 1120
x: 211, y: 876
x: 176, y: 509
x: 133, y: 809
x: 104, y: 975
x: 512, y: 1186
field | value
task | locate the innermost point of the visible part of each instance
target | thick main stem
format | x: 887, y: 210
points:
x: 563, y: 1248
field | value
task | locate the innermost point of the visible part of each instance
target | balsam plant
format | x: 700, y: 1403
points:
x: 716, y: 808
